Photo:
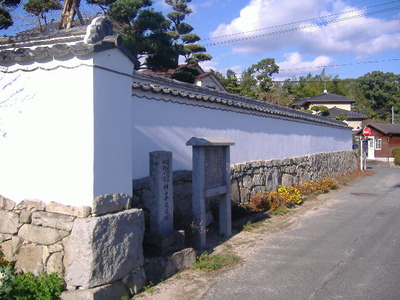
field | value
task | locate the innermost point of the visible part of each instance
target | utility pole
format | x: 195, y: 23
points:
x: 392, y: 114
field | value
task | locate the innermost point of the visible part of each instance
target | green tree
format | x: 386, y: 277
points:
x: 380, y: 92
x: 230, y: 81
x: 5, y: 16
x: 39, y: 8
x: 257, y: 79
x: 144, y: 31
x: 184, y: 41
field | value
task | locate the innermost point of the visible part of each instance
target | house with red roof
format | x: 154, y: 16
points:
x: 384, y: 137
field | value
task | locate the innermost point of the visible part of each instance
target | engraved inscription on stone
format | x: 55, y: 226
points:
x: 161, y: 210
x: 214, y: 168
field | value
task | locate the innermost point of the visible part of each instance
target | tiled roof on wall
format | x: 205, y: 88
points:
x: 77, y: 41
x: 199, y: 95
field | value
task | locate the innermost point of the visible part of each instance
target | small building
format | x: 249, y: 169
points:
x: 337, y: 105
x: 353, y: 118
x: 326, y: 99
x: 384, y: 137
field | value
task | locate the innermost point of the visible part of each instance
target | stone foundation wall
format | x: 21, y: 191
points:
x: 97, y: 251
x: 250, y: 178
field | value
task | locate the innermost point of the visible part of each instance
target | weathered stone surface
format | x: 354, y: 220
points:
x: 6, y: 203
x: 179, y: 261
x: 10, y: 248
x: 2, y: 237
x: 41, y: 235
x: 53, y: 220
x: 9, y: 222
x: 135, y: 281
x: 287, y: 180
x: 30, y: 259
x: 31, y: 205
x: 235, y: 192
x: 55, y: 264
x: 113, y: 291
x: 162, y: 267
x: 25, y: 216
x: 80, y: 212
x: 55, y: 248
x: 104, y: 249
x: 110, y: 203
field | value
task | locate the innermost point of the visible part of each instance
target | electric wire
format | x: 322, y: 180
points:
x: 308, y: 26
x: 299, y: 22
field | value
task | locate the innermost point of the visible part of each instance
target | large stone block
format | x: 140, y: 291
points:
x: 41, y: 235
x: 10, y: 248
x: 106, y: 292
x: 80, y: 212
x: 30, y: 259
x: 55, y: 264
x: 287, y: 180
x: 9, y: 222
x: 110, y: 203
x: 31, y: 205
x: 104, y: 249
x: 6, y: 203
x: 53, y: 220
x: 135, y: 281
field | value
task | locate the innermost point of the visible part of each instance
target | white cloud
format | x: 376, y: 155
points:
x: 351, y: 33
x: 294, y: 64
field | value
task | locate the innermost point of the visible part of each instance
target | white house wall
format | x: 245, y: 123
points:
x: 46, y: 140
x: 112, y: 137
x: 160, y: 125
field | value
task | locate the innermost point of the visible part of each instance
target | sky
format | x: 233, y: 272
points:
x: 347, y: 38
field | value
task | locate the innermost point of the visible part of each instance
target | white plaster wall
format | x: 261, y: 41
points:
x: 46, y: 137
x: 158, y: 125
x: 112, y: 124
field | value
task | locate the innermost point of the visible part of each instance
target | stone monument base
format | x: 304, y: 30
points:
x: 163, y: 244
x: 162, y: 267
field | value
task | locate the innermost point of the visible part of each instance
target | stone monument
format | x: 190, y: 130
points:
x: 162, y: 239
x: 211, y: 178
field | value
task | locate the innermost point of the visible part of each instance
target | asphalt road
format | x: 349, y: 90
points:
x: 348, y: 249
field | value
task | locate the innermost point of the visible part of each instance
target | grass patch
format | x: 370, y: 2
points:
x: 249, y: 226
x: 280, y: 211
x: 213, y: 262
x: 149, y: 288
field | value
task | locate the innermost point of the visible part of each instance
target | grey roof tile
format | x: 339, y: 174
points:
x: 156, y: 84
x: 351, y: 115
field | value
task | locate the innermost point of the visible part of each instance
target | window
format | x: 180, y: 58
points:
x: 378, y: 144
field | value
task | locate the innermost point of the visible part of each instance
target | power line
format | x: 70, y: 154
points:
x: 343, y: 65
x: 236, y: 40
x: 299, y: 22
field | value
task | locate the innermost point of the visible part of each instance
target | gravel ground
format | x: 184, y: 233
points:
x: 192, y: 284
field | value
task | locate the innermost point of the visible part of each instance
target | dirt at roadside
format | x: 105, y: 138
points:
x: 192, y: 284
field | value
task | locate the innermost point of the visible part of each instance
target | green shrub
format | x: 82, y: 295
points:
x: 396, y: 155
x: 26, y: 286
x: 6, y: 279
x: 30, y: 287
